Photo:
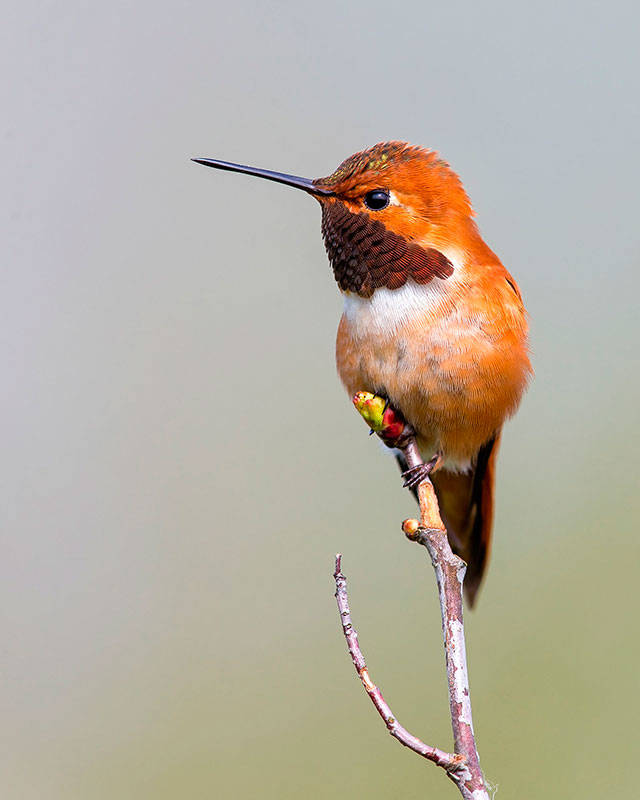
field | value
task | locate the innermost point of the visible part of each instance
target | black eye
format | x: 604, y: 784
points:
x: 377, y: 199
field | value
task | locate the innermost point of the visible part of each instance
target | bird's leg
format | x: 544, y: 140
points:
x: 418, y: 473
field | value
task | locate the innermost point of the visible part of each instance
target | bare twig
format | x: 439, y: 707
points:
x: 463, y: 766
x: 449, y: 761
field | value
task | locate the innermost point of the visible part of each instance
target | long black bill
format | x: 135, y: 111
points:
x: 279, y: 177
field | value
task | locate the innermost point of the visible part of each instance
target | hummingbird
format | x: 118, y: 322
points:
x: 432, y: 321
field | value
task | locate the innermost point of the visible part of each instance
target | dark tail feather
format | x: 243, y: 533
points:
x: 466, y: 507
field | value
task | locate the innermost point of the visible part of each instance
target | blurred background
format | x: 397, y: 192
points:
x: 180, y: 463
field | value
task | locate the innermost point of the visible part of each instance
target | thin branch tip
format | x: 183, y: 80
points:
x: 448, y: 761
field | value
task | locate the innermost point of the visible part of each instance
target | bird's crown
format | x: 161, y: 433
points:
x: 406, y: 170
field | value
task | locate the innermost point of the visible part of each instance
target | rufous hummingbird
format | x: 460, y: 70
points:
x: 432, y: 320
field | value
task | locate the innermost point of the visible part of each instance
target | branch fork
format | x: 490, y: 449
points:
x: 463, y: 765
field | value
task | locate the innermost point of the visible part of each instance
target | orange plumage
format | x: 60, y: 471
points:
x: 451, y: 352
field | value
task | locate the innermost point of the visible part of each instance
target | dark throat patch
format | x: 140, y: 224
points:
x: 366, y: 256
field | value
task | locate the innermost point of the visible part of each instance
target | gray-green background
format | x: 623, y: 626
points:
x: 180, y: 463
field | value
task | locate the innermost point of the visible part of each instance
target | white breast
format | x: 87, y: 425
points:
x: 389, y: 309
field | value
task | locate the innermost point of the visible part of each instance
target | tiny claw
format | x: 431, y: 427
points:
x: 414, y: 476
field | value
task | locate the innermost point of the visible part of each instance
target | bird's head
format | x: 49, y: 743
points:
x: 387, y: 213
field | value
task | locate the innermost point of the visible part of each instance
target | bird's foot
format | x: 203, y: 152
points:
x: 414, y: 476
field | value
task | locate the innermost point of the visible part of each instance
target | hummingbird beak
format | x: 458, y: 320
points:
x: 305, y: 184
